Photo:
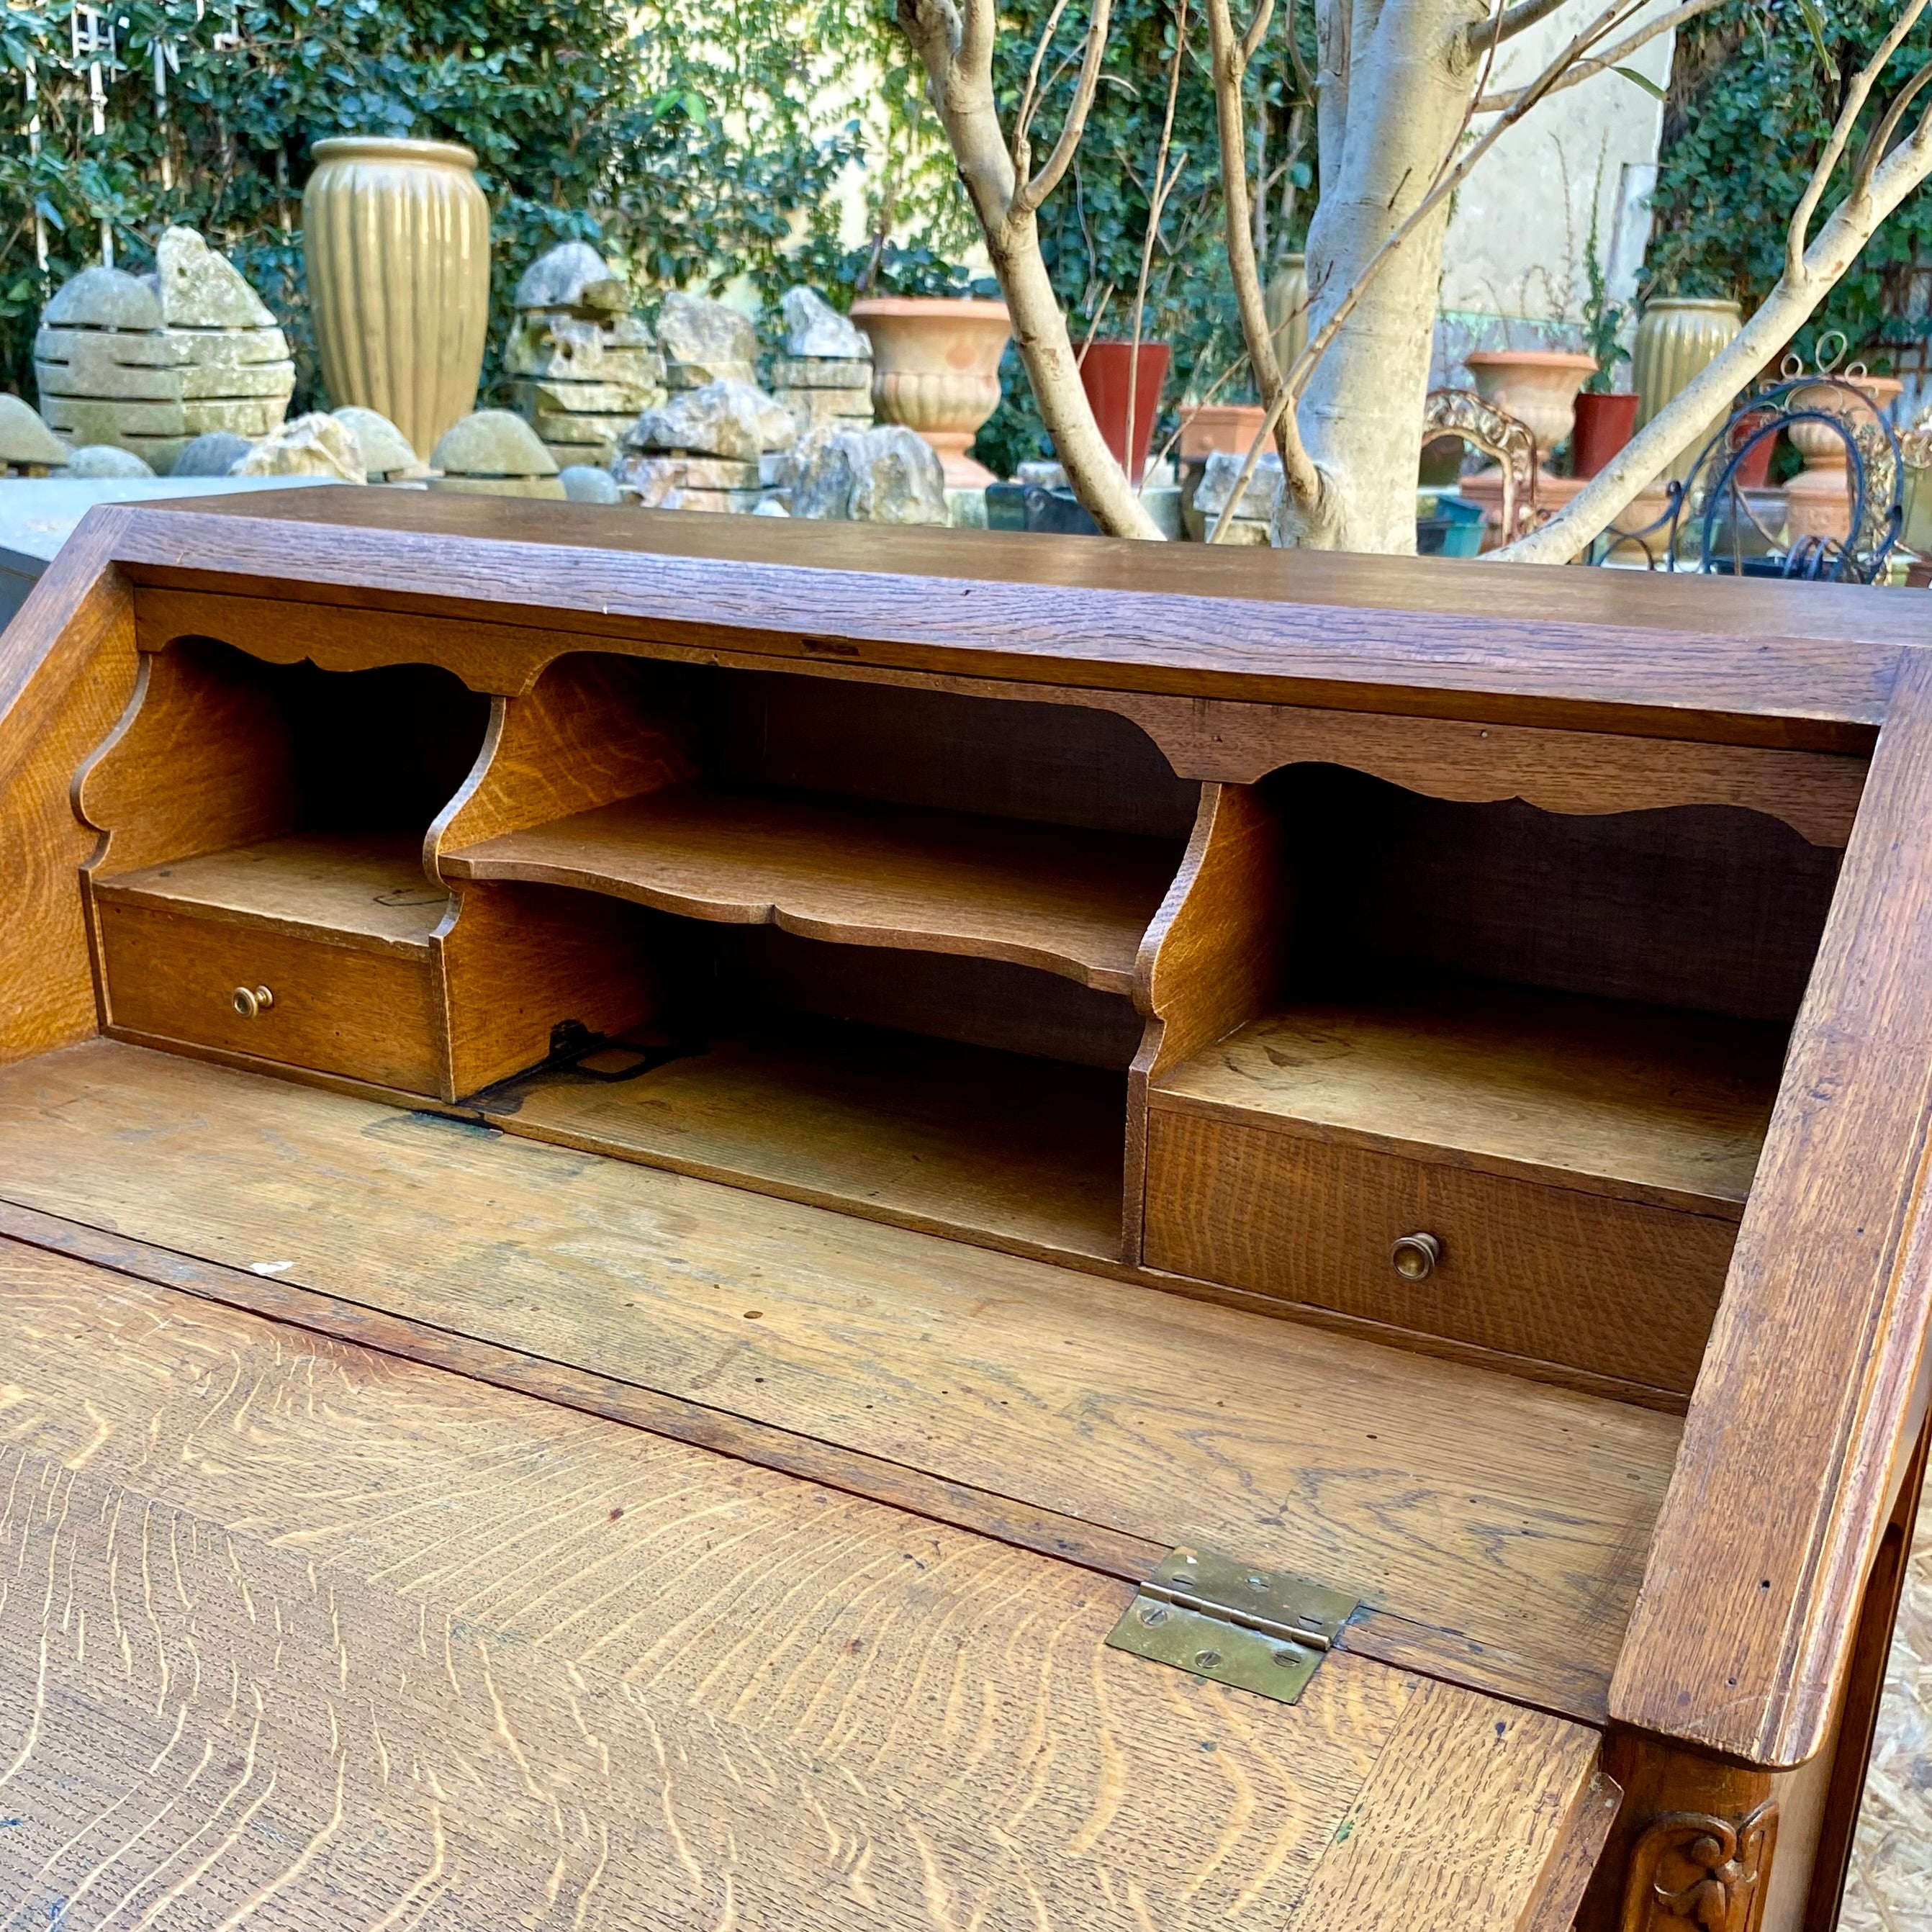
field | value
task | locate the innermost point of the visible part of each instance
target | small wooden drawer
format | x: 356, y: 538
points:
x: 1562, y: 1275
x: 369, y: 1014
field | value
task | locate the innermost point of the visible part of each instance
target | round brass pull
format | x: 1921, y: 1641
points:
x: 1415, y: 1256
x: 251, y: 1002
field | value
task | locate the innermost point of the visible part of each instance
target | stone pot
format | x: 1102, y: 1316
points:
x: 396, y: 238
x: 1286, y: 300
x: 1678, y: 335
x: 1604, y: 424
x: 1818, y: 500
x: 936, y: 369
x: 1104, y: 375
x: 1536, y: 386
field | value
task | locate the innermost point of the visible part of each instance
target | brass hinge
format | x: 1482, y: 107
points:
x: 1259, y: 1630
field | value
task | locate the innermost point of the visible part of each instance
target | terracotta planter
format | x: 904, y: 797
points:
x: 1754, y: 472
x: 1285, y: 299
x: 1604, y: 424
x: 1536, y: 386
x: 1208, y: 426
x: 936, y: 369
x: 396, y: 240
x: 1106, y: 371
x: 1676, y: 337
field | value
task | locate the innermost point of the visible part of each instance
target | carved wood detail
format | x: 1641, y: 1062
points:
x: 1694, y: 1868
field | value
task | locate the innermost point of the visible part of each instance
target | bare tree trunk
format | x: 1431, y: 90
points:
x: 955, y: 45
x: 1406, y: 97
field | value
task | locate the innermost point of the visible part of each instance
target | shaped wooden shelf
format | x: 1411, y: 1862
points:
x: 1072, y: 902
x: 1022, y: 1153
x: 361, y: 890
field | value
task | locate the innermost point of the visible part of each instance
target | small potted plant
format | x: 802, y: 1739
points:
x: 1606, y: 418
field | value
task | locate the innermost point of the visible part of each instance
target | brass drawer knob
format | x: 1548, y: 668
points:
x: 251, y: 1002
x: 1415, y: 1256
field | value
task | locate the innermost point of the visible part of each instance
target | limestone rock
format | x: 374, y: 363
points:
x: 573, y: 275
x: 200, y: 288
x: 387, y: 456
x: 808, y: 409
x: 725, y: 418
x: 584, y: 484
x: 1217, y: 485
x: 28, y: 448
x: 707, y: 336
x: 583, y: 367
x: 312, y: 446
x: 104, y: 459
x: 150, y: 363
x: 816, y: 372
x: 494, y: 452
x: 213, y: 454
x: 888, y: 475
x: 813, y: 327
x: 771, y: 507
x: 102, y: 297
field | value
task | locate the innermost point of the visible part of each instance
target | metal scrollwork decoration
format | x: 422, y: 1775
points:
x: 1498, y: 435
x: 1692, y: 1869
x: 1711, y: 524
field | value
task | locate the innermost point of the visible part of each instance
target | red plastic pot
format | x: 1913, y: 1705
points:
x: 1104, y: 375
x: 1604, y: 424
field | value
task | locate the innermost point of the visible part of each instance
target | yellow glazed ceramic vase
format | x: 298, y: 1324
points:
x: 1677, y: 336
x: 396, y: 239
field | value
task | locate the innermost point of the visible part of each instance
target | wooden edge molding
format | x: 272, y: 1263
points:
x: 1743, y: 1631
x: 1179, y: 625
x: 1383, y: 1636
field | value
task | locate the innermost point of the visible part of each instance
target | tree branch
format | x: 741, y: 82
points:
x: 1710, y: 392
x: 1611, y: 57
x: 1511, y: 21
x: 1257, y: 30
x: 1029, y: 94
x: 1029, y: 196
x: 1856, y: 95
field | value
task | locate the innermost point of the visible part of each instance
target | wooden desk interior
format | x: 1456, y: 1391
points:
x: 1304, y: 1108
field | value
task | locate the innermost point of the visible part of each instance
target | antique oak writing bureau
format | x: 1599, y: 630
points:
x: 722, y: 1223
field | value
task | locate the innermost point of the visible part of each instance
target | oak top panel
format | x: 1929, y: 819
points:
x: 299, y: 1631
x: 1617, y: 650
x: 847, y: 870
x: 1641, y: 1102
x: 365, y: 889
x: 1512, y: 1513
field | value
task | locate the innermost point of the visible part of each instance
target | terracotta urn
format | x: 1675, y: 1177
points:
x: 396, y: 240
x: 1207, y: 427
x: 1818, y: 500
x: 936, y: 369
x: 1678, y: 335
x: 1108, y: 375
x: 1536, y: 386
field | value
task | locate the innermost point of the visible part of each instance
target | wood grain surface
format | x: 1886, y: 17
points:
x: 1744, y: 1633
x: 66, y: 671
x: 303, y: 1636
x: 1559, y: 1274
x: 365, y: 890
x: 1297, y: 627
x: 1641, y: 1102
x: 1513, y: 1516
x: 1025, y: 1153
x: 298, y: 1635
x: 1072, y: 902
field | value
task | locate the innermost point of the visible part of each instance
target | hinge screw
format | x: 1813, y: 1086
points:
x: 1154, y: 1613
x: 1206, y: 1659
x: 1285, y: 1657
